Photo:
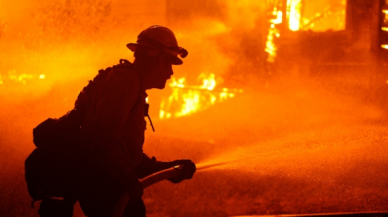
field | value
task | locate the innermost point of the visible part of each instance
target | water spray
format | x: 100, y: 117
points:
x: 204, y: 166
x: 208, y: 166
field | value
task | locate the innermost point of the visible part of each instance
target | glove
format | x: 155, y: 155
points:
x: 132, y: 185
x: 186, y: 171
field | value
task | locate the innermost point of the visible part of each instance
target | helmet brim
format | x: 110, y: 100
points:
x: 174, y: 59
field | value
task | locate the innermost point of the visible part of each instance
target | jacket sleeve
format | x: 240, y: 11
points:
x: 115, y: 102
x: 146, y: 167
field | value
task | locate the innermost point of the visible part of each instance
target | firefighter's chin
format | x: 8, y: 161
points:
x: 160, y: 85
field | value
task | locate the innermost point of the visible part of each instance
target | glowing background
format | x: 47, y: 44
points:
x: 300, y: 145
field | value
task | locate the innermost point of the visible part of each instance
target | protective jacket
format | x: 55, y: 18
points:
x: 114, y: 125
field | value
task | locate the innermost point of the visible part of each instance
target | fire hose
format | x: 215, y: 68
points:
x: 152, y: 179
x: 146, y: 182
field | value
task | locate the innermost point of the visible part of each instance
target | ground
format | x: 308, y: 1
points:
x: 289, y: 150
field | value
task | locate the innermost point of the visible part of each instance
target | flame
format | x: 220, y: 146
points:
x: 20, y: 78
x: 385, y: 46
x: 270, y: 44
x: 293, y: 14
x: 279, y: 17
x: 208, y: 83
x: 273, y: 32
x: 188, y: 99
x: 296, y: 22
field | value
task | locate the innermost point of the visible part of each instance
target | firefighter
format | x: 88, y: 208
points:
x: 112, y: 134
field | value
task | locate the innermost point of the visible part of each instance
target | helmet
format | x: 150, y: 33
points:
x: 161, y: 38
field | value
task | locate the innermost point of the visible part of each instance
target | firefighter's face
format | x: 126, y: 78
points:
x: 163, y: 72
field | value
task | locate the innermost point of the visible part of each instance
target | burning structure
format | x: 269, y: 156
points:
x: 272, y: 38
x: 339, y: 40
x: 343, y: 42
x: 340, y: 43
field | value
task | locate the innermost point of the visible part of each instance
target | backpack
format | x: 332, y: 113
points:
x: 50, y: 168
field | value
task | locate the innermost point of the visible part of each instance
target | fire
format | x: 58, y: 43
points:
x: 208, y: 83
x: 272, y: 33
x: 331, y: 17
x: 20, y: 78
x: 293, y: 14
x: 187, y: 99
x: 385, y: 46
x: 294, y: 17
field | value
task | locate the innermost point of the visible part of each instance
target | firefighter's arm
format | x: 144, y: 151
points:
x: 111, y: 113
x: 148, y: 165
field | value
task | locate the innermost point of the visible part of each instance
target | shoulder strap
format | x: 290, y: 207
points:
x: 84, y: 97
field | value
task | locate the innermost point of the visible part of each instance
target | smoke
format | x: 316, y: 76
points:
x: 70, y: 40
x: 205, y: 54
x: 223, y: 37
x: 243, y: 15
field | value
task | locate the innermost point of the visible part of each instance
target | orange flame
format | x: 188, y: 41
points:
x: 293, y: 14
x: 188, y: 99
x: 272, y: 33
x: 21, y: 78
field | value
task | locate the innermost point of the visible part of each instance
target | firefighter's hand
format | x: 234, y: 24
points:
x: 186, y: 171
